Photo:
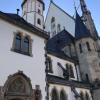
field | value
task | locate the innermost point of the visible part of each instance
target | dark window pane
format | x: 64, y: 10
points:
x: 18, y: 42
x: 71, y: 71
x: 62, y: 96
x: 26, y: 45
x: 82, y: 96
x: 58, y: 28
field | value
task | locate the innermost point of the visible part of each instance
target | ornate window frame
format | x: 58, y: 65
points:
x: 23, y: 36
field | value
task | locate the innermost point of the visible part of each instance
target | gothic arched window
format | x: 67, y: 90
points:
x: 63, y: 96
x: 26, y: 45
x: 18, y: 42
x: 88, y: 46
x: 53, y: 19
x: 82, y: 96
x: 39, y: 21
x: 87, y: 96
x: 54, y: 95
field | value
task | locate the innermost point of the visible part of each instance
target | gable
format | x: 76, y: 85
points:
x: 61, y: 17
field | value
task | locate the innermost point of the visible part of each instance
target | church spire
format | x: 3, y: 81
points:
x: 88, y: 19
x: 83, y: 6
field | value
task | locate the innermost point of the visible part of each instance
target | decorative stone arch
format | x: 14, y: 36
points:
x: 18, y: 87
x: 63, y: 95
x: 54, y: 94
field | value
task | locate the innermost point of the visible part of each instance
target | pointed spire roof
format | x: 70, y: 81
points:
x: 83, y: 6
x: 80, y: 29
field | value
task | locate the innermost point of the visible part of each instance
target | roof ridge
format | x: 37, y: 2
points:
x: 52, y: 2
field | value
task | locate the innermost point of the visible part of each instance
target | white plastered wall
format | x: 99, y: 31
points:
x: 11, y: 62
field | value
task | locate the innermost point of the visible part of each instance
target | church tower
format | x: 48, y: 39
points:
x: 32, y: 12
x: 87, y: 52
x: 87, y: 18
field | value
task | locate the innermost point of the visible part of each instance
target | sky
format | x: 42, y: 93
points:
x: 10, y: 6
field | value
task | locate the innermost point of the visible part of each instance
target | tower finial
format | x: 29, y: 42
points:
x: 87, y: 18
x: 74, y: 5
x: 83, y: 6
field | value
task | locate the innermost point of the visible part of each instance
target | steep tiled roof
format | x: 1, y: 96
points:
x: 59, y: 41
x: 80, y: 29
x: 20, y: 22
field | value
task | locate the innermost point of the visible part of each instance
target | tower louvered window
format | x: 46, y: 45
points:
x: 54, y: 95
x: 82, y: 96
x: 63, y: 96
x: 80, y: 48
x: 88, y: 46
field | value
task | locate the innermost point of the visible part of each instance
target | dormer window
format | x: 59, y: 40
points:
x: 53, y: 26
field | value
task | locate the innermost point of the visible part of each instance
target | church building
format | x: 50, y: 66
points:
x: 56, y: 58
